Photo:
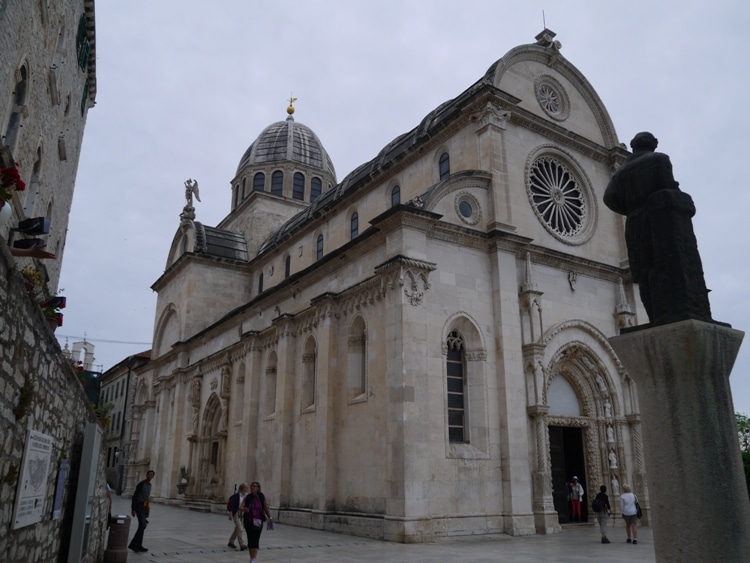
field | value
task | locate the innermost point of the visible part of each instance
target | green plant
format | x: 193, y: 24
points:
x: 51, y: 307
x: 25, y: 399
x: 32, y: 275
x: 743, y: 433
x: 102, y: 412
x: 743, y: 430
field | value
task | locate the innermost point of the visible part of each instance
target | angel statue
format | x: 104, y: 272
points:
x: 191, y: 187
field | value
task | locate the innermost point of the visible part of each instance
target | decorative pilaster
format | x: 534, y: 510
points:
x: 545, y: 516
x: 530, y: 302
x: 639, y: 477
x: 624, y: 316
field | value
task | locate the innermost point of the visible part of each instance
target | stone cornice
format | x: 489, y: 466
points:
x: 568, y: 262
x: 458, y: 235
x: 560, y: 135
x: 405, y: 216
x: 520, y: 246
x: 361, y: 295
x: 401, y: 261
x: 189, y: 258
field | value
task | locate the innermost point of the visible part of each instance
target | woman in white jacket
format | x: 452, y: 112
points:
x: 629, y: 513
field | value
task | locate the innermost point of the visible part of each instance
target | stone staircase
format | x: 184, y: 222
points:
x: 198, y: 505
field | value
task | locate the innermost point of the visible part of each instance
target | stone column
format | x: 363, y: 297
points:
x: 325, y: 427
x: 546, y: 518
x: 696, y: 479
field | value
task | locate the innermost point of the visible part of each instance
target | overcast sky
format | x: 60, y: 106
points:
x: 184, y: 87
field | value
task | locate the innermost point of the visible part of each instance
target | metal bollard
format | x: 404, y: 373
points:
x: 117, y: 543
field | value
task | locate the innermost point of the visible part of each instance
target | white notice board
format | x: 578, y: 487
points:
x: 32, y: 481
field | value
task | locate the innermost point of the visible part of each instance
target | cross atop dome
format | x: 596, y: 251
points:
x: 290, y: 109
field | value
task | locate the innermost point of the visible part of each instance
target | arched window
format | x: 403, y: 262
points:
x: 298, y: 187
x: 357, y: 359
x: 395, y: 195
x: 236, y: 195
x: 444, y: 166
x: 260, y: 283
x: 18, y: 108
x: 32, y: 190
x: 316, y: 187
x: 308, y: 374
x: 319, y: 248
x: 354, y: 225
x: 244, y: 193
x: 287, y: 266
x: 456, y: 384
x: 259, y: 182
x: 83, y: 46
x: 55, y: 69
x: 270, y: 385
x: 277, y: 182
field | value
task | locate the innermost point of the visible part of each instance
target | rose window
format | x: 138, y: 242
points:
x: 548, y: 99
x: 551, y: 97
x: 557, y: 197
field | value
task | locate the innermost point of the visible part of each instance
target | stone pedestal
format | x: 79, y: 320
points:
x: 699, y: 498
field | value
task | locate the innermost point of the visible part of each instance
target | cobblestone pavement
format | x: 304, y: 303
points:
x: 178, y: 534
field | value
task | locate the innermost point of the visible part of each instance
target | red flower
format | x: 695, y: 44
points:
x: 10, y: 178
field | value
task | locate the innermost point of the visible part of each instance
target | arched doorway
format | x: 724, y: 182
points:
x: 212, y: 445
x: 579, y: 398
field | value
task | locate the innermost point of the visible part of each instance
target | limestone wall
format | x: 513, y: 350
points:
x: 58, y: 408
x: 39, y: 41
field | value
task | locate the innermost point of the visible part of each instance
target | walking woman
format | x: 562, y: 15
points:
x: 603, y: 511
x: 629, y: 513
x: 256, y: 511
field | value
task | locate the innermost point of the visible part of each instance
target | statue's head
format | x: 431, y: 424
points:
x: 644, y: 141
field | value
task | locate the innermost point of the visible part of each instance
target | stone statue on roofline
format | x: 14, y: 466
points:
x: 191, y: 189
x: 662, y: 249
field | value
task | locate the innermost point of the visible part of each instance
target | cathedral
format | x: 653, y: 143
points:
x: 415, y: 351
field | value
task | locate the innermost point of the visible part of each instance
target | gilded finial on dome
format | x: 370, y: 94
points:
x: 290, y: 109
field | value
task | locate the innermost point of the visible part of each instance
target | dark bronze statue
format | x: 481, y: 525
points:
x: 662, y: 249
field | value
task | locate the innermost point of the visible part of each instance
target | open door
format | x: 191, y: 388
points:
x: 566, y: 449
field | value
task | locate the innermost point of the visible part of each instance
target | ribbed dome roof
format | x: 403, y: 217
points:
x: 285, y: 141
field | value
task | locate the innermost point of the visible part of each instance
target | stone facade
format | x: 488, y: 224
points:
x: 116, y: 390
x: 58, y: 407
x: 421, y: 350
x: 47, y: 85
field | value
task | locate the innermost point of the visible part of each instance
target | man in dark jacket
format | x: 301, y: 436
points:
x: 140, y: 509
x: 236, y: 516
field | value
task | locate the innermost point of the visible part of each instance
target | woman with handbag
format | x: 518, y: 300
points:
x: 256, y: 511
x: 629, y: 511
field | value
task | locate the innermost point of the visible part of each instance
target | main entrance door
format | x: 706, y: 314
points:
x: 566, y: 449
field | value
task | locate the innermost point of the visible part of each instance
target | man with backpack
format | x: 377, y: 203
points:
x: 233, y: 508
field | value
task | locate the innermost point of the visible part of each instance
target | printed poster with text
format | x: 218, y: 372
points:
x: 32, y: 481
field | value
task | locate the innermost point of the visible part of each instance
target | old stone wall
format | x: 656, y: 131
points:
x: 58, y: 407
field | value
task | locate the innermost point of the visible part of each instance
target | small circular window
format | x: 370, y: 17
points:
x: 552, y: 97
x: 560, y: 199
x: 467, y: 208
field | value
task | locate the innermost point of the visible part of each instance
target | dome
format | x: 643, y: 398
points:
x: 288, y: 141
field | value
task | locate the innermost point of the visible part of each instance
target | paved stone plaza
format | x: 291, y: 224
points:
x: 178, y: 534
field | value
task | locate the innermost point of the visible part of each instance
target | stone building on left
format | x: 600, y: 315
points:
x: 52, y: 487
